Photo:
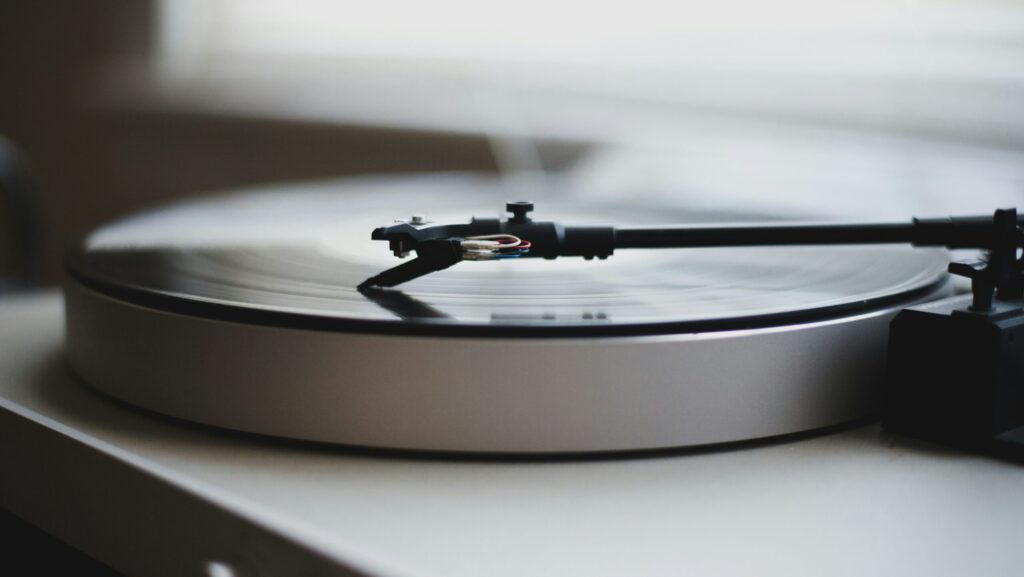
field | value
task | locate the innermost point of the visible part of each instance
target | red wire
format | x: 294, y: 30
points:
x: 523, y: 246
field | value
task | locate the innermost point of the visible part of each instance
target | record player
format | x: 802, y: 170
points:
x: 269, y: 313
x: 236, y: 405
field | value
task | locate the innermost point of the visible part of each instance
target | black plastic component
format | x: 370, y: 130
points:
x: 519, y: 210
x: 548, y: 240
x: 433, y: 255
x: 589, y: 241
x: 691, y: 236
x: 1002, y: 273
x: 953, y: 232
x: 956, y: 367
x: 1001, y: 235
x: 956, y: 376
x: 982, y: 286
x: 958, y: 231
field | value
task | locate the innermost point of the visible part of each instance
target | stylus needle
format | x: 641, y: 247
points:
x: 431, y: 256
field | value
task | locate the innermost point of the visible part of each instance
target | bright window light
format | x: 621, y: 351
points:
x: 924, y: 38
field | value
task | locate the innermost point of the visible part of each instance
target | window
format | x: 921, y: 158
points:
x: 946, y: 76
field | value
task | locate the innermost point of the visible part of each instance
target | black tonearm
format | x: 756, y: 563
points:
x: 441, y: 246
x: 955, y: 372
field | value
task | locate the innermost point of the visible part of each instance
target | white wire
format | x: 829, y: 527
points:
x: 516, y: 241
x: 491, y: 242
x: 487, y: 247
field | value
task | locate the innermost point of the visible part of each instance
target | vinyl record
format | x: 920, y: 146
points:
x: 294, y: 259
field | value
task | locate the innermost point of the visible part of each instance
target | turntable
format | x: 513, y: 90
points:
x: 564, y: 416
x: 253, y: 312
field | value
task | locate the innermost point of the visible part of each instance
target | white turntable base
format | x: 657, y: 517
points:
x: 161, y: 497
x: 481, y: 395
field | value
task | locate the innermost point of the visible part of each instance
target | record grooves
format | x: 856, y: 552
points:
x: 418, y: 318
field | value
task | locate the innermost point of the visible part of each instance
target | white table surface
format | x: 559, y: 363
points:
x: 152, y: 495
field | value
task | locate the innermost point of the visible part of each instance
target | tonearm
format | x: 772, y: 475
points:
x: 955, y: 371
x: 438, y: 247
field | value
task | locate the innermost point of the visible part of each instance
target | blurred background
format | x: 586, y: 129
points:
x: 809, y: 109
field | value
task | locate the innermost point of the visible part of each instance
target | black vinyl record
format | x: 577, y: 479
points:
x: 293, y: 256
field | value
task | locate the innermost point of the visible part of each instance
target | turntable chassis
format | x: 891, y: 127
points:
x: 460, y: 394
